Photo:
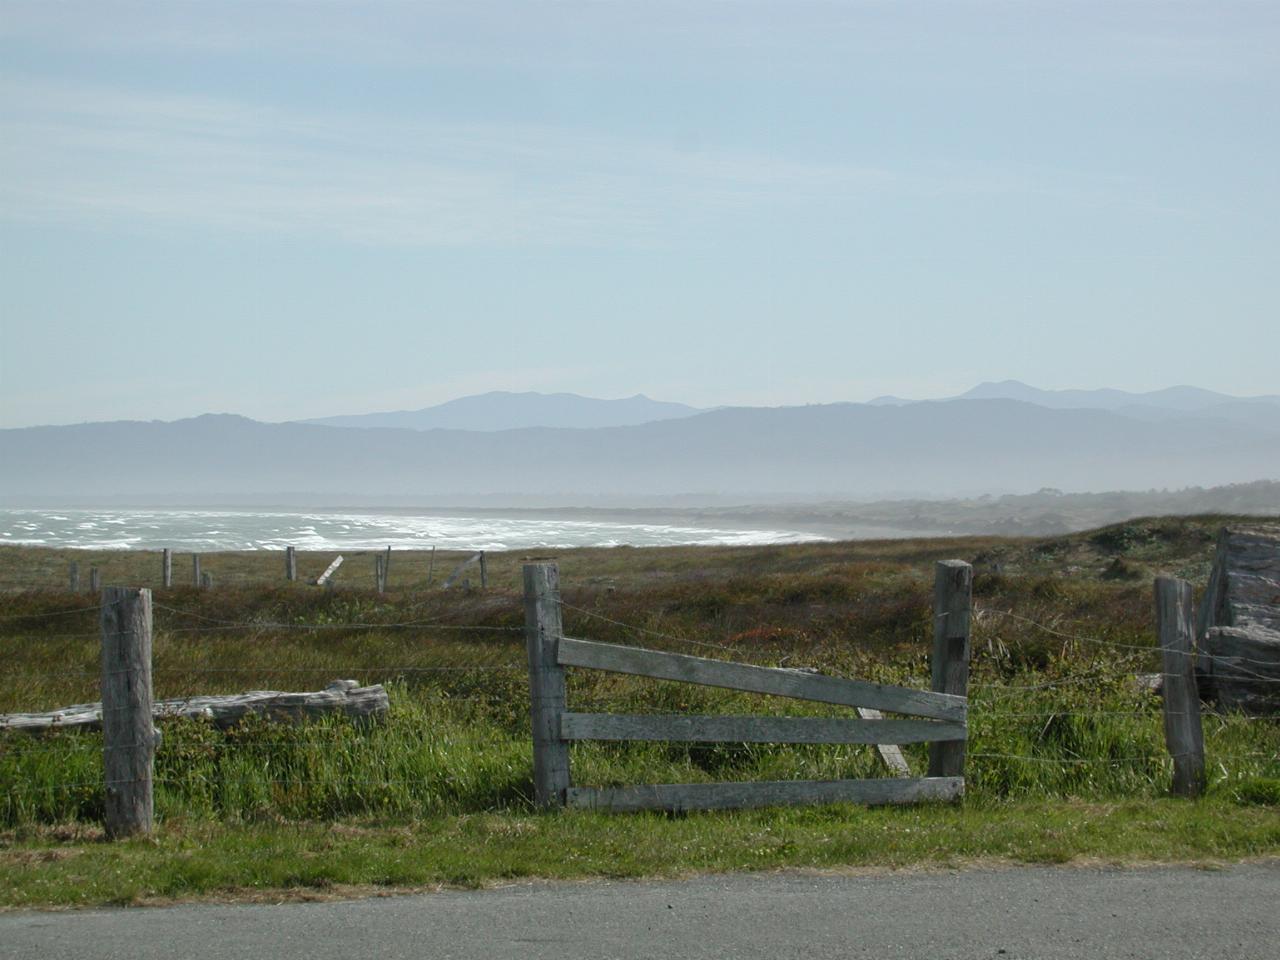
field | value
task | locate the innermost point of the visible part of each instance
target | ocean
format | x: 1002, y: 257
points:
x: 210, y: 530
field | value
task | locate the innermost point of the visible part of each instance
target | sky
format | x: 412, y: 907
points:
x: 299, y: 209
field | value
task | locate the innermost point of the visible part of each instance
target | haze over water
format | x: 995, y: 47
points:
x: 205, y: 530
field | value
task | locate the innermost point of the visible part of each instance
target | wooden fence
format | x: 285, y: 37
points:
x: 938, y: 716
x: 203, y: 579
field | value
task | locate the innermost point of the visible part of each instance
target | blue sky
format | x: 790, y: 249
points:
x: 300, y: 209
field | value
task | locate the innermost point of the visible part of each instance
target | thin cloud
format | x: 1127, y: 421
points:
x: 94, y: 154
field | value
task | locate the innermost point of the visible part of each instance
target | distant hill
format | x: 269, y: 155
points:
x: 1184, y: 399
x: 1171, y: 403
x: 943, y: 448
x: 501, y: 410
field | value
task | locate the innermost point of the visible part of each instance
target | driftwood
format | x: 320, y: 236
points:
x: 1238, y: 627
x: 341, y: 696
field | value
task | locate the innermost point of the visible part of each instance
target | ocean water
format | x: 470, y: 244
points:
x: 205, y: 530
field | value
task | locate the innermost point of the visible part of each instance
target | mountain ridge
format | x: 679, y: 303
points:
x: 1181, y: 397
x: 507, y: 410
x: 947, y: 448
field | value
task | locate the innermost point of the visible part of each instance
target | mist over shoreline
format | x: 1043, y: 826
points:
x: 268, y: 526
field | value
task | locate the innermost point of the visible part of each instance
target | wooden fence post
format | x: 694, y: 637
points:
x: 952, y: 606
x: 73, y: 577
x: 195, y: 570
x: 290, y: 564
x: 166, y: 568
x: 484, y: 572
x: 128, y: 737
x: 326, y: 578
x: 95, y: 580
x: 1183, y: 734
x: 431, y: 566
x: 542, y: 626
x: 386, y: 570
x: 379, y: 573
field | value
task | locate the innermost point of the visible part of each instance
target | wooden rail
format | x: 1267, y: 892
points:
x: 718, y: 729
x: 678, y: 797
x: 752, y: 679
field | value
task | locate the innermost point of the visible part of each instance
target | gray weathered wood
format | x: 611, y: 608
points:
x: 329, y: 571
x: 460, y: 569
x: 1244, y: 586
x: 1243, y: 669
x: 890, y: 753
x: 342, y: 696
x: 770, y: 680
x: 1182, y: 730
x: 1242, y: 598
x: 95, y: 580
x: 196, y: 580
x: 379, y: 573
x: 1211, y: 602
x: 730, y: 729
x: 166, y: 567
x: 73, y: 577
x: 542, y: 626
x: 952, y: 605
x: 290, y: 564
x: 129, y: 738
x: 386, y: 570
x: 484, y: 571
x: 722, y: 796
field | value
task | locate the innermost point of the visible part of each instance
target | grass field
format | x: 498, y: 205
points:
x: 1066, y: 750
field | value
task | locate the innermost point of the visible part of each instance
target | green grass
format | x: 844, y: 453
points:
x: 70, y: 866
x: 1066, y: 750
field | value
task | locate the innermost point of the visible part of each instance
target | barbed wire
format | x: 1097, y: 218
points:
x: 1154, y: 648
x: 1149, y: 758
x: 710, y: 644
x: 277, y: 671
x: 241, y: 781
x: 52, y: 613
x: 1071, y: 679
x: 346, y: 625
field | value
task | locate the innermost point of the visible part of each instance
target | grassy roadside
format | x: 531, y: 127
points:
x: 67, y: 866
x: 1066, y: 752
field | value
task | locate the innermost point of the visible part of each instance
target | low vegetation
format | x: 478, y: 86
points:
x: 1066, y: 750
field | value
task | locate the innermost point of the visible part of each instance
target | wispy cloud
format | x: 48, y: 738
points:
x: 159, y: 159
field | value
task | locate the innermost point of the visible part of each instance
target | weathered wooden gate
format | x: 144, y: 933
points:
x: 939, y: 716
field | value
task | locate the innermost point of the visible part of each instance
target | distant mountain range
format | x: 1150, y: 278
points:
x: 1186, y: 399
x: 938, y: 448
x: 1170, y: 403
x: 501, y: 410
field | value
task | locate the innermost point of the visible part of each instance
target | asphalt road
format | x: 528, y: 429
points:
x: 1049, y: 913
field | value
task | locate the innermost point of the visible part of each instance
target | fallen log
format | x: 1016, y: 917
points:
x: 342, y: 696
